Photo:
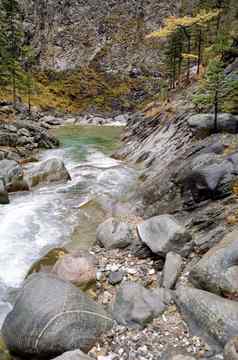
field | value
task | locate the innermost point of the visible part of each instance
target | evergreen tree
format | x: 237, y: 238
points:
x: 28, y: 83
x: 214, y: 87
x: 186, y: 25
x: 12, y: 36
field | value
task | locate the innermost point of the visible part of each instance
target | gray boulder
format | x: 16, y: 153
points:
x: 209, y: 182
x: 4, y: 199
x: 73, y: 355
x: 226, y: 122
x: 12, y: 174
x: 163, y: 234
x: 217, y: 271
x: 114, y: 234
x: 231, y: 349
x: 52, y: 316
x: 136, y: 306
x: 51, y: 170
x: 172, y: 269
x: 210, y: 316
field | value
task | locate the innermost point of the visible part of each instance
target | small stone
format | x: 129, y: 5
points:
x: 115, y: 277
x: 99, y: 275
x: 131, y: 271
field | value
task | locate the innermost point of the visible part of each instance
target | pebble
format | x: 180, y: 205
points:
x: 115, y: 277
x: 131, y: 271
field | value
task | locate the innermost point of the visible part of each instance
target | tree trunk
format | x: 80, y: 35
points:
x: 13, y: 54
x: 199, y: 51
x: 29, y: 99
x: 14, y: 96
x: 216, y: 108
x: 188, y: 36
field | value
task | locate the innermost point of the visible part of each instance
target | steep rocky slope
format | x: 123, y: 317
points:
x: 76, y: 33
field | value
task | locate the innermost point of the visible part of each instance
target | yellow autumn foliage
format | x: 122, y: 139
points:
x: 172, y: 23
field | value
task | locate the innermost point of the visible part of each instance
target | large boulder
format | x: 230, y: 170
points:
x: 217, y: 271
x: 226, y: 122
x: 51, y: 170
x: 209, y: 182
x: 78, y: 267
x: 4, y: 199
x: 113, y: 234
x: 136, y: 306
x: 211, y: 316
x: 52, y: 316
x: 163, y: 234
x: 12, y: 174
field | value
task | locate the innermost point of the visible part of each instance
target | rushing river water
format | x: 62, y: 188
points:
x: 63, y: 214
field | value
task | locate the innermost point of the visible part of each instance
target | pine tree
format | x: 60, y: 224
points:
x: 186, y: 25
x: 213, y: 88
x: 28, y: 84
x: 12, y: 35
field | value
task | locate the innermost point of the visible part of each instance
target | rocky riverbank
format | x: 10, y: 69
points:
x: 160, y: 281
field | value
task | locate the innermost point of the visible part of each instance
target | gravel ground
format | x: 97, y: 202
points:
x: 165, y: 333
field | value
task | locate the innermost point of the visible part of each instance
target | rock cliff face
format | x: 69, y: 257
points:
x: 111, y: 33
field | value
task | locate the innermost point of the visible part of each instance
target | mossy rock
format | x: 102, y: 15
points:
x: 46, y: 263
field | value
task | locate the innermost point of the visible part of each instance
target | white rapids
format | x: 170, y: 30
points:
x: 44, y: 218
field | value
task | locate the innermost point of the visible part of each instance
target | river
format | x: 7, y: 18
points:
x: 63, y: 214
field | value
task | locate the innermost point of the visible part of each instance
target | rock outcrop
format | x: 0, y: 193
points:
x: 68, y: 34
x: 226, y: 122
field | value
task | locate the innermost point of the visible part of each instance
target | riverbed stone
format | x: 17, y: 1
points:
x: 163, y: 234
x: 172, y: 269
x: 51, y: 170
x: 12, y: 174
x: 208, y: 315
x: 73, y: 355
x: 4, y: 198
x: 115, y: 277
x: 115, y: 234
x: 136, y: 306
x: 53, y: 316
x: 78, y: 267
